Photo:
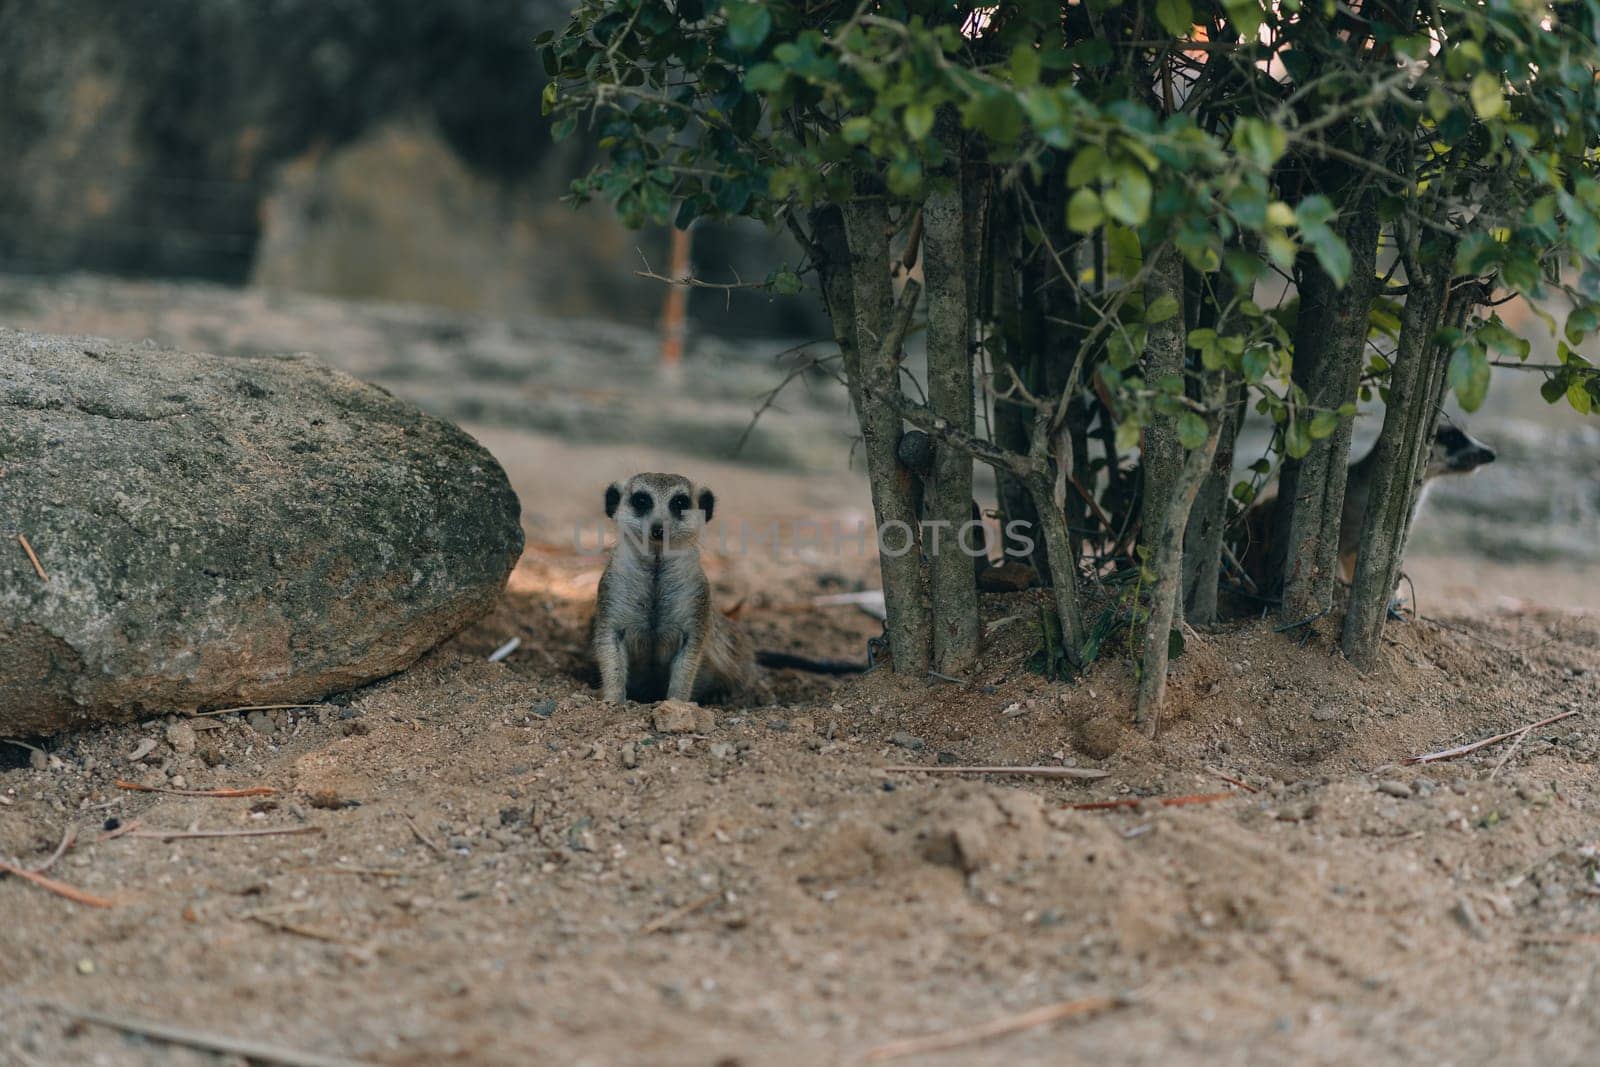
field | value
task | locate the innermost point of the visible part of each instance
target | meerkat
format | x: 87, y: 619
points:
x: 1454, y: 452
x: 655, y: 633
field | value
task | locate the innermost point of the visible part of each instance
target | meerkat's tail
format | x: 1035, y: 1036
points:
x: 805, y: 663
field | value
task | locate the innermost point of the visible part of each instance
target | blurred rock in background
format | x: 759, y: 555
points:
x: 376, y: 149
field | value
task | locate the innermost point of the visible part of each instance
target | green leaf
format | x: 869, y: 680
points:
x: 1025, y: 64
x: 785, y: 282
x: 1313, y: 211
x: 1282, y: 250
x: 918, y: 120
x: 1255, y: 363
x: 1087, y: 166
x: 1176, y: 16
x: 1296, y: 441
x: 905, y: 177
x: 1192, y: 430
x: 995, y: 114
x: 1323, y: 423
x: 766, y: 78
x: 1469, y: 376
x: 1245, y: 16
x: 1583, y: 320
x: 1579, y: 397
x: 1486, y: 98
x: 1084, y: 212
x: 748, y: 25
x: 1164, y: 308
x: 856, y: 130
x: 1261, y: 142
x: 1333, y: 254
x: 1128, y: 198
x: 1124, y: 256
x: 1128, y: 434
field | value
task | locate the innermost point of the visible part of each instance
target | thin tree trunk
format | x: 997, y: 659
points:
x: 1329, y: 350
x: 1162, y: 454
x: 1393, y: 488
x: 1011, y: 417
x: 1063, y: 563
x: 1166, y: 562
x: 876, y: 358
x: 951, y: 578
x: 1456, y: 305
x: 1208, y: 523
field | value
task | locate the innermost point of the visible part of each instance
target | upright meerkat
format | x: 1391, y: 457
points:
x: 655, y: 633
x: 1454, y: 452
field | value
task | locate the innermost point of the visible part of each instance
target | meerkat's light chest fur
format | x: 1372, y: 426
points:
x: 655, y: 633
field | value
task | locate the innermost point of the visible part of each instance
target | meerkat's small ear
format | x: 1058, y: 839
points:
x: 706, y: 502
x: 613, y: 498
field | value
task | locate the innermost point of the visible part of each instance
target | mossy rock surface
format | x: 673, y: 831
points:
x: 221, y: 530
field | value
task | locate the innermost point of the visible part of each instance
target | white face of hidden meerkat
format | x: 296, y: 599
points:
x: 1456, y: 452
x: 658, y: 513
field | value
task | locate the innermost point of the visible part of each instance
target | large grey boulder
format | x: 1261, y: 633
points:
x: 225, y: 530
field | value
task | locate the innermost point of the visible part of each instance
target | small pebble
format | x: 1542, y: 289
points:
x: 905, y: 740
x: 181, y: 736
x: 1394, y: 788
x: 142, y: 749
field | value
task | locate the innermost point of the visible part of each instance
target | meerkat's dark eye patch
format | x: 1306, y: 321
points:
x: 1451, y: 437
x: 678, y: 505
x: 640, y: 502
x: 707, y: 502
x: 613, y: 498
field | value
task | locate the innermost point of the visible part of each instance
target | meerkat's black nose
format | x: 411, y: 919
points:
x: 1484, y: 455
x: 656, y: 531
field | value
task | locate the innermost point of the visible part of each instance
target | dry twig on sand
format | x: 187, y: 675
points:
x: 374, y: 872
x: 68, y: 837
x: 253, y: 791
x: 674, y: 916
x: 1011, y: 1024
x: 1165, y: 802
x: 308, y: 932
x: 252, y: 707
x: 60, y: 889
x: 1462, y: 750
x: 1025, y: 772
x: 1561, y: 939
x: 1522, y: 735
x: 262, y: 1051
x: 273, y: 831
x: 38, y: 568
x: 416, y: 832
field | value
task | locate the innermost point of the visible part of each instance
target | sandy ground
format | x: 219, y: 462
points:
x: 488, y: 865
